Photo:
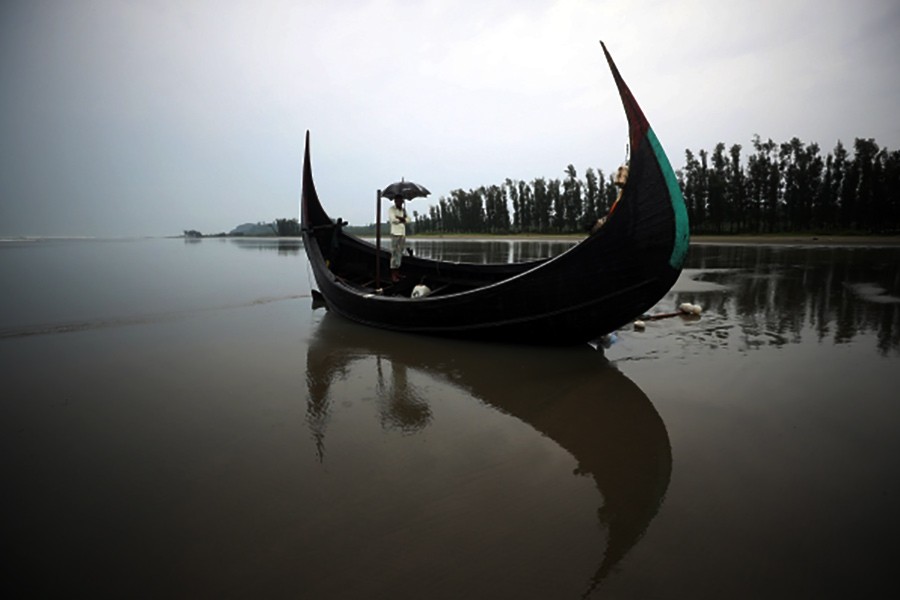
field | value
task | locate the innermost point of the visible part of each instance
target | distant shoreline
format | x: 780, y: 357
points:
x: 772, y: 239
x: 793, y: 239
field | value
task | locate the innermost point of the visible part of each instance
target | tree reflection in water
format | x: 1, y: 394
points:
x: 775, y: 293
x: 494, y: 251
x: 572, y: 396
x: 284, y: 246
x: 779, y: 294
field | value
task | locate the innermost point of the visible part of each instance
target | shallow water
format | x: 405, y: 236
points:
x: 177, y: 421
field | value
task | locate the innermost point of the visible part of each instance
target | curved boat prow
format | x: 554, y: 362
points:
x: 637, y: 122
x: 639, y: 131
x: 311, y: 210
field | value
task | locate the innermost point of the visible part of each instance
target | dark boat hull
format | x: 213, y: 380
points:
x: 595, y: 287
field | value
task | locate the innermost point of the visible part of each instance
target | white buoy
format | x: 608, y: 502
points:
x: 690, y: 309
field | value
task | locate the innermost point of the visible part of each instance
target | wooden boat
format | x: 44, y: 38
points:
x: 598, y: 285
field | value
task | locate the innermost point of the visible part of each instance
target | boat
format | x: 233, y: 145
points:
x: 600, y: 284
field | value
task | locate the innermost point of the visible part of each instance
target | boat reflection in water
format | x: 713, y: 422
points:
x: 575, y: 397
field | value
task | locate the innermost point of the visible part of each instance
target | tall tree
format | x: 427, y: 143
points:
x: 716, y: 186
x: 541, y: 206
x: 512, y: 192
x: 891, y: 192
x: 557, y: 211
x: 591, y: 196
x: 848, y: 207
x: 526, y: 202
x: 865, y: 164
x: 825, y: 201
x: 694, y: 191
x: 572, y: 203
x: 765, y: 178
x: 736, y: 191
x: 838, y: 175
x: 801, y: 169
x: 496, y: 212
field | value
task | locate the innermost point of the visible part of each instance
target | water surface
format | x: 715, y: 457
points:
x: 177, y: 421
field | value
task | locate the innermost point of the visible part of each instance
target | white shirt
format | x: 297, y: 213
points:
x: 397, y: 226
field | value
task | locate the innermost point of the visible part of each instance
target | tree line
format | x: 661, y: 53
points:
x: 786, y: 187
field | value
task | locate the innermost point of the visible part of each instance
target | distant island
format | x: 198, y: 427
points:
x: 277, y: 228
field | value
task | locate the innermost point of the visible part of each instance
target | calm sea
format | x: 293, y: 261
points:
x: 178, y: 422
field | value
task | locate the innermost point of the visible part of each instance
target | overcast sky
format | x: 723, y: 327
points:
x: 122, y: 118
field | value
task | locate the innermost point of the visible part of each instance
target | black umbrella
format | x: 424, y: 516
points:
x: 404, y: 189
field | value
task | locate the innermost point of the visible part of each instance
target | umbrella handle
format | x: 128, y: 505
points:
x: 377, y: 239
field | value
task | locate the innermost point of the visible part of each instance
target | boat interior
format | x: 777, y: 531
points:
x: 353, y: 263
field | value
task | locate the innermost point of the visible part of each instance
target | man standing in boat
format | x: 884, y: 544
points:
x: 397, y: 218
